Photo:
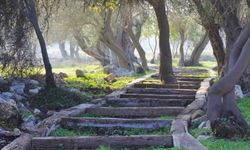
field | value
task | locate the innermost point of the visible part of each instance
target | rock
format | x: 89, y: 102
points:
x: 139, y: 70
x: 79, y: 73
x: 3, y: 82
x: 238, y: 92
x: 63, y: 75
x: 21, y: 107
x: 37, y: 111
x: 108, y: 69
x: 247, y: 95
x: 33, y: 82
x: 203, y: 137
x: 74, y: 90
x: 9, y: 113
x: 17, y: 87
x: 197, y: 113
x: 7, y: 95
x: 110, y: 78
x: 17, y: 131
x: 196, y: 122
x: 205, y: 124
x: 18, y: 97
x: 29, y: 122
x: 122, y: 72
x: 35, y: 91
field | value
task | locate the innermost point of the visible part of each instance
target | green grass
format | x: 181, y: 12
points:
x: 226, y: 144
x: 96, y: 86
x: 244, y: 106
x: 56, y: 99
x: 95, y: 131
x: 70, y: 70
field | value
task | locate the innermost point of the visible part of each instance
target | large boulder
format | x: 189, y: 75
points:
x: 238, y: 92
x: 110, y: 78
x: 2, y: 81
x: 80, y: 73
x: 9, y: 113
x: 35, y: 90
x: 119, y: 72
x: 18, y: 87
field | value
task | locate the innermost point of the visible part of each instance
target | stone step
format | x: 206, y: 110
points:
x: 92, y: 142
x: 170, y: 96
x: 135, y: 112
x: 161, y: 91
x: 76, y: 122
x: 147, y: 102
x: 175, y: 86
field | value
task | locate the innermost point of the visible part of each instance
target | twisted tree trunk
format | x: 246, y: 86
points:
x: 181, y: 49
x: 221, y: 100
x: 212, y: 29
x: 63, y: 50
x: 166, y: 70
x: 199, y: 48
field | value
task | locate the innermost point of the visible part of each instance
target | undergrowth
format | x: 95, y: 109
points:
x: 56, y: 99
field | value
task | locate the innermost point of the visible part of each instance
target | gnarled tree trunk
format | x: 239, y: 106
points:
x: 212, y: 29
x: 63, y: 50
x: 166, y: 70
x: 199, y: 48
x: 115, y: 44
x: 221, y: 100
x: 181, y: 49
x: 237, y: 62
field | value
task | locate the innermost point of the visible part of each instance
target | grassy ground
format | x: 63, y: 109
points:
x: 226, y: 144
x: 94, y: 131
x: 56, y: 99
x: 93, y: 85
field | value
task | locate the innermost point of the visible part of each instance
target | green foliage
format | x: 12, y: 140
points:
x: 244, y: 106
x: 95, y: 84
x: 95, y: 131
x: 56, y: 99
x: 223, y: 144
x: 226, y: 144
x: 25, y: 114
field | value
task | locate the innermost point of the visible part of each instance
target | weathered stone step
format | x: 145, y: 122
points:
x: 147, y: 102
x: 92, y: 142
x: 134, y: 112
x: 176, y: 86
x: 170, y: 96
x: 178, y: 82
x: 75, y: 122
x: 161, y: 91
x: 190, y: 79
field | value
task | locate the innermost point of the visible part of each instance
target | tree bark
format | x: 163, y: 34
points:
x: 95, y: 52
x: 166, y: 70
x: 223, y: 88
x: 63, y: 50
x: 72, y: 50
x: 212, y: 29
x: 32, y: 16
x: 181, y: 49
x: 138, y: 46
x: 199, y: 48
x: 115, y: 44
